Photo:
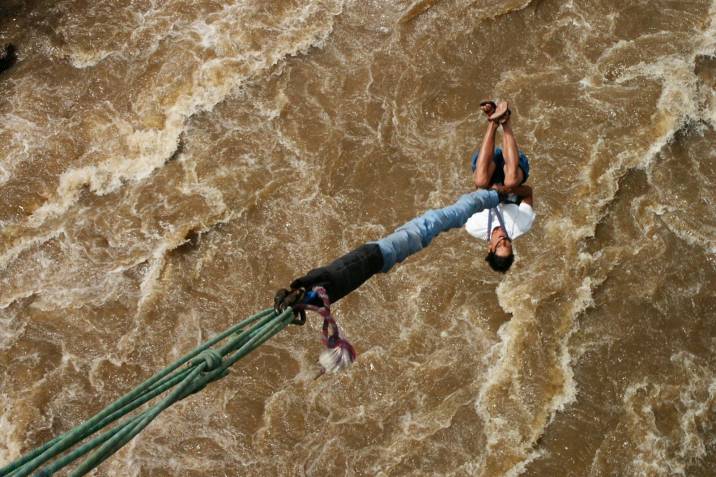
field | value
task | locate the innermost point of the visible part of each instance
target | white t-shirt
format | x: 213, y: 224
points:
x: 518, y: 221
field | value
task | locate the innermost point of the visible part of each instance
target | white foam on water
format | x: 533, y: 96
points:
x: 102, y: 282
x: 670, y: 454
x: 13, y: 252
x: 681, y: 102
x: 502, y: 366
x: 11, y: 447
x: 212, y: 195
x: 521, y: 467
x: 24, y: 134
x: 148, y: 149
x: 207, y: 33
x: 677, y: 103
x: 581, y: 303
x: 707, y: 47
x: 17, y: 297
x: 702, y: 239
x: 499, y: 367
x: 10, y: 329
x: 137, y: 32
x: 95, y: 368
x: 5, y: 175
x: 153, y: 274
x: 145, y: 150
x: 84, y: 59
x: 79, y: 280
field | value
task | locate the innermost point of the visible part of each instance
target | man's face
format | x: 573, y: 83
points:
x: 500, y: 244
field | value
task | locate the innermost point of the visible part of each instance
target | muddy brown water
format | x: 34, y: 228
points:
x: 166, y: 165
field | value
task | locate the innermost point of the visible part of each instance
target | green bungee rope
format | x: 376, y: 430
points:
x: 205, y: 365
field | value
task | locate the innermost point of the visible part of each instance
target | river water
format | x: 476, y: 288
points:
x: 166, y: 165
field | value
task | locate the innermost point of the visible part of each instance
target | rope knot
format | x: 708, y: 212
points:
x: 339, y: 353
x: 211, y: 357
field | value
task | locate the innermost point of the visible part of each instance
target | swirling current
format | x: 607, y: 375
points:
x: 166, y: 165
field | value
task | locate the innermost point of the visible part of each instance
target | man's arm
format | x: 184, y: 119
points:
x: 522, y: 191
x: 525, y: 192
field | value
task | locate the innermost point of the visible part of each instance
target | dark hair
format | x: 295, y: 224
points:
x: 500, y: 264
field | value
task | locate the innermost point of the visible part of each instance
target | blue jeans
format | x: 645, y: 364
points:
x: 419, y: 232
x: 498, y: 177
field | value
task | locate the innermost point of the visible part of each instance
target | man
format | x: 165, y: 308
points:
x: 505, y: 170
x: 497, y: 175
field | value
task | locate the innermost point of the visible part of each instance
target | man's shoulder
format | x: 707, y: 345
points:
x: 525, y: 217
x: 526, y: 208
x: 522, y: 208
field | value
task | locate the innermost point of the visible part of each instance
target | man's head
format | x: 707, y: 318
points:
x: 500, y: 255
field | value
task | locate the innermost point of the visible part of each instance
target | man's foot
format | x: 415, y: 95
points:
x: 488, y: 107
x: 502, y: 113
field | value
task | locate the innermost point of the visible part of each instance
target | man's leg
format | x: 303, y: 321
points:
x: 485, y: 161
x: 513, y: 174
x: 417, y: 234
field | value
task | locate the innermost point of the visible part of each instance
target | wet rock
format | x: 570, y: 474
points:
x: 705, y: 69
x: 8, y: 57
x: 191, y: 242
